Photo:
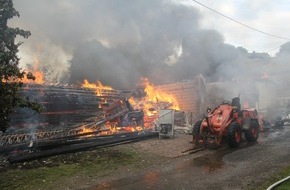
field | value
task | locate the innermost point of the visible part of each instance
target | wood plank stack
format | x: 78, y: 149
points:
x: 63, y: 107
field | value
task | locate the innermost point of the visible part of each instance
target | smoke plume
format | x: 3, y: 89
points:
x: 118, y: 42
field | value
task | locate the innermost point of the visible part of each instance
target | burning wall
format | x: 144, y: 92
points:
x: 190, y: 95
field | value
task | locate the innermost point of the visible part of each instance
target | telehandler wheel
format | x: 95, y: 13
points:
x: 252, y: 134
x: 195, y: 132
x: 234, y: 135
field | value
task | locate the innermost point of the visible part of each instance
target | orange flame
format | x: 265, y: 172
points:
x: 155, y: 95
x: 98, y: 86
x: 154, y: 100
x: 86, y: 130
x: 39, y: 76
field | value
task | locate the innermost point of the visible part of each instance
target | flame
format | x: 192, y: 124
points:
x: 98, y: 86
x: 109, y: 128
x: 39, y: 76
x: 155, y: 95
x: 154, y: 100
x: 86, y: 130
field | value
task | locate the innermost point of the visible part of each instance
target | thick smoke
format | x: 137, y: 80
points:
x: 118, y: 42
x: 162, y: 42
x: 142, y: 39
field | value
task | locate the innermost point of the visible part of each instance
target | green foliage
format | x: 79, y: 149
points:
x: 11, y: 75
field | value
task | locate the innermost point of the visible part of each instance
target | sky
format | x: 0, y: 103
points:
x: 264, y: 15
x: 118, y: 42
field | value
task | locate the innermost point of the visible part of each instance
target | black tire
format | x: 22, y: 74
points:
x: 234, y: 135
x: 195, y: 132
x: 252, y: 134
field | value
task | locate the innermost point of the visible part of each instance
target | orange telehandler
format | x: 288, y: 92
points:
x: 227, y: 122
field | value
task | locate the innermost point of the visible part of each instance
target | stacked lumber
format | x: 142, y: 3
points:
x: 64, y: 106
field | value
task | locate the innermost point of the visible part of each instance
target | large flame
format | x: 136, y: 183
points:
x: 98, y: 86
x: 155, y: 95
x: 154, y: 100
x: 39, y: 76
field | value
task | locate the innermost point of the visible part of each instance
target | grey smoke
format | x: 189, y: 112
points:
x: 117, y: 42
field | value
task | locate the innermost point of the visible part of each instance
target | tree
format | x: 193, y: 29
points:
x: 11, y: 74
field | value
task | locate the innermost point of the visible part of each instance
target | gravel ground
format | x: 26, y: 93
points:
x: 166, y: 147
x: 222, y: 169
x: 165, y: 164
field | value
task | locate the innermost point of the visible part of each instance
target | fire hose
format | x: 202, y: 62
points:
x: 278, y: 183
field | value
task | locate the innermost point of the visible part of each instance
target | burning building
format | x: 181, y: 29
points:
x: 190, y: 95
x: 97, y: 107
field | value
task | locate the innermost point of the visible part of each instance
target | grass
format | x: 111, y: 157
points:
x: 59, y: 171
x: 277, y: 177
x: 284, y: 186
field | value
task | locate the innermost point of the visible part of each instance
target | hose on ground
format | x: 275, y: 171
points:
x: 278, y: 183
